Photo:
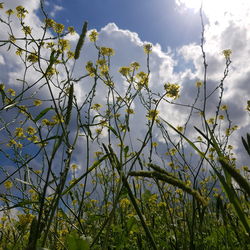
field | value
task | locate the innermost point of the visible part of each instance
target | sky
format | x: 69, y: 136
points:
x: 174, y: 29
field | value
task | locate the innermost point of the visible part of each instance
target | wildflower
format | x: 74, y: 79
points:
x: 125, y: 202
x: 2, y: 87
x: 96, y: 106
x: 180, y: 128
x: 26, y: 30
x: 49, y: 22
x: 152, y: 114
x: 58, y: 27
x: 154, y: 144
x: 33, y: 58
x: 71, y: 30
x: 74, y: 167
x: 70, y: 54
x: 173, y: 151
x: 147, y: 48
x: 93, y: 36
x: 90, y: 68
x: 125, y: 71
x: 34, y: 139
x: 221, y: 117
x: 37, y: 102
x: 30, y: 130
x: 12, y: 39
x: 64, y: 44
x: 19, y: 52
x: 1, y: 5
x: 46, y: 122
x: 198, y: 84
x: 9, y: 12
x: 107, y: 51
x: 21, y: 11
x: 172, y: 90
x: 8, y: 184
x: 130, y: 111
x: 12, y: 92
x: 19, y: 132
x: 58, y: 119
x: 223, y: 107
x: 142, y: 79
x: 210, y: 121
x: 135, y: 65
x: 104, y: 69
x: 227, y: 53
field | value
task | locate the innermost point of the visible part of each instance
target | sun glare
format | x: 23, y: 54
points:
x: 217, y: 8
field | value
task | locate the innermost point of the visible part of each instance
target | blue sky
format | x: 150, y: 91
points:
x: 157, y: 21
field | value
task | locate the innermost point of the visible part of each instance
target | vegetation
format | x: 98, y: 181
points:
x: 75, y: 174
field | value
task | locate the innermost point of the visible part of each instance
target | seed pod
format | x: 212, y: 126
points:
x: 81, y: 40
x: 70, y: 103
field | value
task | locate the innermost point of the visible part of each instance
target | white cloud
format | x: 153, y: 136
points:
x: 220, y: 34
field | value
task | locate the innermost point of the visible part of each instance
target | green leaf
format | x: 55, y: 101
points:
x: 42, y: 113
x: 113, y: 130
x: 74, y: 242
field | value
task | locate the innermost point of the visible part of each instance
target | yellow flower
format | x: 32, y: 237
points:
x: 147, y: 48
x: 130, y: 111
x: 26, y: 30
x: 107, y: 51
x: 21, y: 11
x: 70, y: 54
x: 172, y: 90
x: 125, y: 71
x: 104, y: 69
x: 248, y: 105
x: 154, y: 144
x: 142, y: 79
x: 19, y: 132
x: 96, y: 106
x: 180, y: 128
x: 210, y: 121
x: 135, y: 65
x: 33, y: 58
x: 71, y: 30
x: 46, y: 122
x: 221, y: 117
x: 90, y: 68
x: 227, y: 53
x: 19, y: 51
x: 223, y: 107
x: 1, y: 5
x: 64, y: 44
x: 74, y: 167
x: 30, y: 130
x: 93, y: 36
x: 152, y: 114
x: 58, y: 27
x: 198, y: 84
x: 49, y: 22
x: 9, y: 12
x: 124, y: 203
x: 2, y: 87
x: 12, y: 92
x: 37, y: 102
x: 8, y: 184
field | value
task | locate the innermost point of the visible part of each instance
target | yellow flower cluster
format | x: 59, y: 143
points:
x: 107, y: 51
x: 21, y: 11
x: 93, y: 36
x: 142, y: 78
x: 152, y: 114
x: 90, y: 68
x: 147, y: 48
x: 227, y: 53
x: 172, y: 90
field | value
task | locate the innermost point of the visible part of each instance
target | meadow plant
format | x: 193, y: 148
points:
x: 124, y: 192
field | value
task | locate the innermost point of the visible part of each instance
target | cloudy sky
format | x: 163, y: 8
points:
x: 174, y: 29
